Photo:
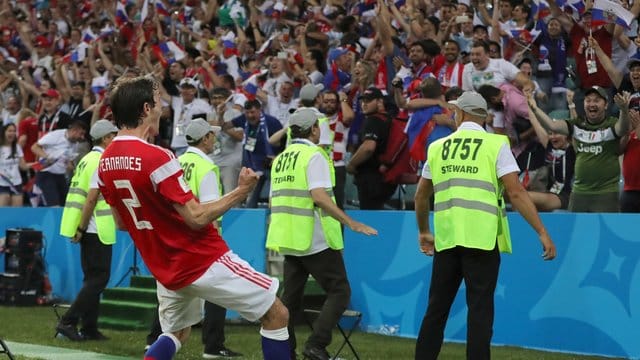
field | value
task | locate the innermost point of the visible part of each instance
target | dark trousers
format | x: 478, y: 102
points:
x: 373, y: 192
x: 212, y: 328
x: 338, y: 190
x: 254, y: 197
x: 479, y: 270
x: 630, y: 201
x: 96, y: 266
x: 54, y: 187
x: 327, y: 267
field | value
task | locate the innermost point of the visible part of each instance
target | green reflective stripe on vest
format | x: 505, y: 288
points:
x: 293, y: 212
x: 78, y: 191
x: 468, y: 206
x: 77, y: 197
x: 105, y: 212
x: 74, y: 205
x: 469, y: 183
x: 297, y: 193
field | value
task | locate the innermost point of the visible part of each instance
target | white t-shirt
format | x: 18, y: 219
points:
x: 497, y: 72
x: 7, y: 118
x: 505, y: 164
x: 10, y: 166
x: 318, y: 176
x: 58, y: 147
x: 280, y: 110
x: 182, y: 115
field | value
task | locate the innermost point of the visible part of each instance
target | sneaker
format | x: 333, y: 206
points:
x: 93, y: 335
x: 221, y: 354
x: 315, y: 353
x: 68, y: 331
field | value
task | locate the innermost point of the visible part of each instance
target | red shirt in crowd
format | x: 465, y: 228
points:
x: 29, y: 128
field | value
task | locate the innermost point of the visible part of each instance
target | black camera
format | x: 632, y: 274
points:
x: 396, y: 83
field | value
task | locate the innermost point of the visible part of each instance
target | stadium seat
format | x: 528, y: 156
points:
x: 354, y: 318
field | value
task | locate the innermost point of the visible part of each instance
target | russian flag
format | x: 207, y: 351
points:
x: 106, y: 32
x: 266, y: 44
x: 525, y: 36
x: 608, y: 12
x: 229, y: 49
x: 161, y: 9
x: 121, y: 14
x: 541, y: 7
x: 98, y: 85
x: 578, y: 6
x: 88, y: 36
x: 172, y: 51
x: 250, y: 86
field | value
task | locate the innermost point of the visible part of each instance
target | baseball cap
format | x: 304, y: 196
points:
x: 310, y: 91
x: 101, y: 129
x: 372, y: 93
x: 189, y: 82
x: 304, y: 118
x: 472, y: 103
x: 602, y: 92
x: 41, y: 41
x: 199, y: 128
x: 52, y: 93
x: 335, y: 53
x: 632, y: 63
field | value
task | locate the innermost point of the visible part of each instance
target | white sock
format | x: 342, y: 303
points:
x: 277, y: 334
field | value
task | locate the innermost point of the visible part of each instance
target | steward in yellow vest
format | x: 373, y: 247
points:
x: 305, y: 228
x: 87, y: 220
x: 468, y: 171
x: 203, y: 177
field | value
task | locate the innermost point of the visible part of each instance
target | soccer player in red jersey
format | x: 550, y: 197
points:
x: 144, y: 185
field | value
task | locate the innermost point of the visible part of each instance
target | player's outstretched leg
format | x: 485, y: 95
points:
x: 275, y: 336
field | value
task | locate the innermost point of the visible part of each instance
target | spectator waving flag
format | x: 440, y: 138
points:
x: 98, y: 85
x: 88, y: 36
x: 525, y: 36
x: 541, y: 7
x: 161, y: 9
x: 610, y: 12
x: 121, y: 14
x: 145, y: 11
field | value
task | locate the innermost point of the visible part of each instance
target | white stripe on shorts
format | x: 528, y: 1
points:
x: 245, y: 272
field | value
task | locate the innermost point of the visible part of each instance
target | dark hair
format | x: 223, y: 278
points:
x: 14, y: 143
x: 332, y: 92
x: 431, y: 88
x: 482, y: 44
x: 453, y: 93
x: 78, y: 124
x: 319, y: 58
x: 252, y: 104
x: 488, y: 92
x: 228, y: 80
x: 494, y: 43
x: 127, y: 99
x: 449, y: 41
x: 431, y: 47
x: 299, y: 133
x: 307, y: 102
x: 220, y: 91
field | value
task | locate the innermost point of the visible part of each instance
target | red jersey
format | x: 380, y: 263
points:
x: 578, y: 49
x: 142, y: 182
x: 29, y: 128
x: 630, y: 163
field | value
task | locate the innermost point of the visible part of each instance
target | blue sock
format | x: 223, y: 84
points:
x: 275, y: 344
x: 163, y: 348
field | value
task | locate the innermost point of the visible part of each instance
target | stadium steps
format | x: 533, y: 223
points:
x: 129, y: 308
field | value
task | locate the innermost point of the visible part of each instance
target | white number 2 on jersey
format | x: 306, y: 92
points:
x: 132, y: 203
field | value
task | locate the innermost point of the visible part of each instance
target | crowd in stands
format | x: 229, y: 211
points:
x: 554, y: 74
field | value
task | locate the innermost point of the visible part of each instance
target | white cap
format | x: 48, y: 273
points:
x: 304, y: 118
x: 472, y: 103
x: 199, y: 128
x: 310, y: 91
x: 101, y: 129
